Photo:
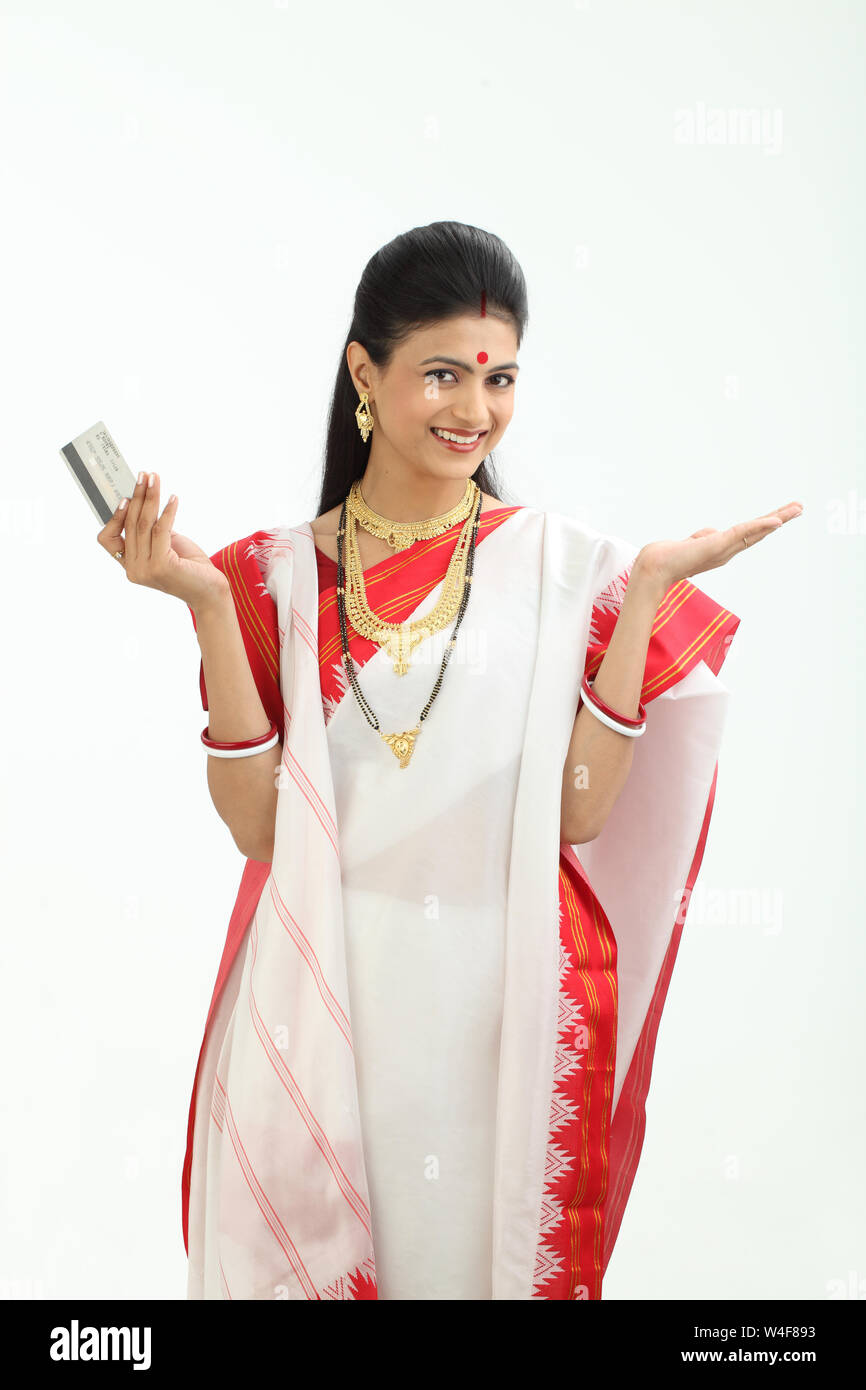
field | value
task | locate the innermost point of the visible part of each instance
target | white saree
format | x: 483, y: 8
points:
x: 374, y: 1104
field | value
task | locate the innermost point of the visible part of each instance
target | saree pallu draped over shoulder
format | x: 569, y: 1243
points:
x: 430, y: 1041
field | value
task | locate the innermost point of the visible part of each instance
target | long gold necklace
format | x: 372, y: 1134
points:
x: 401, y: 534
x: 401, y: 639
x: 402, y: 745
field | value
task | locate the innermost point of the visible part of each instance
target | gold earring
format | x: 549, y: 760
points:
x: 364, y: 417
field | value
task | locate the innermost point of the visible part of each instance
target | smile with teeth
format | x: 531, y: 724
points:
x: 458, y: 438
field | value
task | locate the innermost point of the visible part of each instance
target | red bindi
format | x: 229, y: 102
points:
x: 482, y: 357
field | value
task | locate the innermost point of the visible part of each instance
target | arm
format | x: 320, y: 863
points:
x: 599, y: 759
x: 605, y: 754
x: 243, y: 790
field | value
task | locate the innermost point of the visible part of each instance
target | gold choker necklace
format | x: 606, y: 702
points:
x: 401, y: 534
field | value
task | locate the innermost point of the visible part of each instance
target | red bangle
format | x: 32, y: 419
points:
x: 241, y: 743
x: 589, y: 694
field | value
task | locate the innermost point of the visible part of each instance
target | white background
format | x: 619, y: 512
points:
x: 192, y: 191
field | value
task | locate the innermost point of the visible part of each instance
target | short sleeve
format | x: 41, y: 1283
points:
x: 688, y: 627
x: 242, y: 564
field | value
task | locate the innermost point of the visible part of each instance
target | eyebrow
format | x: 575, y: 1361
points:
x: 452, y: 361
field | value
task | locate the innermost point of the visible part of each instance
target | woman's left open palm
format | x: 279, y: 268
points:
x: 667, y: 562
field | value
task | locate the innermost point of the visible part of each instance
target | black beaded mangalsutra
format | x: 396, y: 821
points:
x: 401, y: 745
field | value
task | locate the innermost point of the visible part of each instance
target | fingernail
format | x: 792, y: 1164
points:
x: 150, y: 480
x: 140, y: 478
x: 173, y: 498
x: 122, y: 504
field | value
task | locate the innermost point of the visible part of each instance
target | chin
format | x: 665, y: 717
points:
x: 450, y: 466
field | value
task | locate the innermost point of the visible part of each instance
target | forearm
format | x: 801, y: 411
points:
x: 243, y: 790
x: 599, y: 759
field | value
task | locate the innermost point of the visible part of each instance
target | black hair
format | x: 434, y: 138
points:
x: 421, y: 277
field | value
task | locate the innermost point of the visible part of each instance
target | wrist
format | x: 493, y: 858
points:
x: 216, y: 606
x: 647, y: 581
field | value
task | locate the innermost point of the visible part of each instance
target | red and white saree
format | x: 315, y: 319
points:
x: 430, y: 1041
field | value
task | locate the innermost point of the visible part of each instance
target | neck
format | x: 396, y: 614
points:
x: 401, y: 495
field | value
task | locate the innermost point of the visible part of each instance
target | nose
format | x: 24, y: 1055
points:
x: 470, y: 408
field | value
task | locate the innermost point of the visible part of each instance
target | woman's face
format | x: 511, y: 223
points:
x: 435, y: 380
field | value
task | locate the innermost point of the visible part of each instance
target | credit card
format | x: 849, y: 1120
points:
x: 100, y: 470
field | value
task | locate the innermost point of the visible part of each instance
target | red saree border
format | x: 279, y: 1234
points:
x: 688, y: 627
x: 570, y: 1251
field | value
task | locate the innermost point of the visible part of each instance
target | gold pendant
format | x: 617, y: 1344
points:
x: 400, y: 645
x: 402, y: 745
x: 396, y: 542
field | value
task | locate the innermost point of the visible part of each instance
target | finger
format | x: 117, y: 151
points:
x: 146, y: 518
x: 132, y: 515
x: 782, y: 514
x: 789, y: 511
x: 748, y: 533
x: 111, y: 535
x: 162, y: 533
x: 714, y: 548
x: 118, y: 546
x: 756, y: 530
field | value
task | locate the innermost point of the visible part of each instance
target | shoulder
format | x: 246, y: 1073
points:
x: 253, y: 547
x: 489, y: 504
x: 577, y: 528
x: 326, y: 524
x: 248, y: 565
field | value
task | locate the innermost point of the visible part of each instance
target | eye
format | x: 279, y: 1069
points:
x: 446, y: 371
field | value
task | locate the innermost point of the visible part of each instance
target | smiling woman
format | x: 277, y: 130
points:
x: 425, y: 1063
x: 464, y: 408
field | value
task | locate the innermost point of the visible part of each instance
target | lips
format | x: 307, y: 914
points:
x: 464, y: 434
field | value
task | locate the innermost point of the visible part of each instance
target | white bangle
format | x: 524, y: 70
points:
x: 612, y: 723
x: 242, y: 752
